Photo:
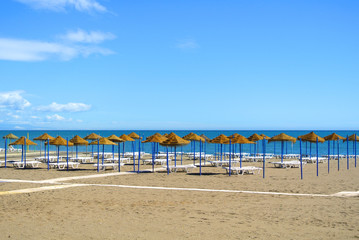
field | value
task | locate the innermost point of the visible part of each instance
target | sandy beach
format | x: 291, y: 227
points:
x: 158, y: 206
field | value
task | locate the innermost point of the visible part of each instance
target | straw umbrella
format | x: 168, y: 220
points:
x: 221, y: 139
x: 239, y: 139
x: 313, y: 138
x: 102, y: 141
x: 43, y: 138
x: 77, y: 140
x: 154, y: 139
x: 9, y: 136
x: 282, y: 138
x: 60, y: 141
x: 255, y: 138
x: 194, y: 138
x: 24, y: 142
x: 353, y: 138
x: 173, y: 141
x: 117, y: 140
x: 127, y: 138
x: 333, y: 137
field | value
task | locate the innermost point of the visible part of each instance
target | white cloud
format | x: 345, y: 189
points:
x: 34, y: 117
x: 27, y: 50
x: 187, y: 44
x: 55, y: 117
x: 13, y: 100
x: 87, y: 37
x: 61, y: 5
x: 69, y: 107
x: 19, y: 128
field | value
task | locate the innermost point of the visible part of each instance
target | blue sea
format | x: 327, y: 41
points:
x: 210, y: 148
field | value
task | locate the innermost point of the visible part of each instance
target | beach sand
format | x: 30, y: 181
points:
x: 106, y: 211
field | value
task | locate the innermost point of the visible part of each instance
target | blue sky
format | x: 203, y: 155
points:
x: 106, y: 64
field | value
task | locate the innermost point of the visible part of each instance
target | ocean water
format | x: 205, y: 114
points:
x: 210, y: 148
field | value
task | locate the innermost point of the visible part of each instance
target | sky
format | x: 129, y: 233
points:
x: 180, y: 65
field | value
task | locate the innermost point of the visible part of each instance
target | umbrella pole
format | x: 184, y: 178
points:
x: 306, y: 149
x: 103, y: 153
x: 77, y: 151
x: 175, y: 156
x: 282, y: 147
x: 92, y: 150
x: 181, y: 154
x: 347, y: 152
x: 310, y: 149
x: 5, y: 150
x: 123, y: 149
x: 229, y: 148
x: 301, y: 159
x: 328, y: 155
x: 240, y: 155
x: 133, y: 156
x: 67, y: 153
x: 113, y: 151
x: 264, y: 158
x: 274, y: 148
x: 168, y: 170
x: 40, y: 148
x: 153, y: 156
x: 317, y: 158
x: 25, y: 152
x: 338, y: 154
x: 119, y: 156
x: 22, y: 153
x: 194, y: 152
x: 355, y: 147
x: 139, y: 155
x: 98, y: 155
x: 48, y: 154
x: 58, y: 154
x: 200, y: 158
x: 221, y: 151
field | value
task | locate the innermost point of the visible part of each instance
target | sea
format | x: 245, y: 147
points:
x: 288, y: 148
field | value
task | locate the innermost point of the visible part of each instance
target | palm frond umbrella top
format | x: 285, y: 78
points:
x: 154, y: 138
x: 127, y: 138
x: 221, y: 139
x: 77, y: 140
x: 114, y: 138
x: 92, y: 136
x: 264, y: 136
x: 44, y: 137
x: 239, y: 139
x: 60, y: 141
x: 165, y: 135
x: 134, y: 135
x: 311, y: 137
x: 282, y: 138
x: 21, y: 141
x: 352, y: 138
x: 255, y: 137
x: 103, y: 141
x: 10, y: 136
x: 188, y: 135
x: 333, y: 137
x: 233, y: 135
x: 205, y: 137
x: 174, y: 140
x: 194, y: 137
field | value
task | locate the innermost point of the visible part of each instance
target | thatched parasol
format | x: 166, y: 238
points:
x: 92, y: 136
x: 156, y: 138
x: 221, y: 139
x: 205, y: 137
x: 10, y: 136
x: 134, y: 135
x: 239, y: 139
x: 114, y: 138
x: 77, y: 140
x: 22, y: 141
x: 334, y: 137
x: 282, y: 138
x: 352, y: 138
x: 60, y: 141
x: 255, y: 137
x: 311, y: 137
x: 102, y: 141
x: 264, y: 136
x: 127, y: 138
x: 44, y: 137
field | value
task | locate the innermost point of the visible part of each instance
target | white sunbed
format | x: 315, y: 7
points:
x: 105, y: 166
x: 82, y: 159
x: 222, y: 163
x: 177, y: 168
x: 63, y: 165
x: 50, y: 158
x: 243, y: 170
x: 287, y: 164
x: 314, y: 159
x: 156, y: 161
x: 29, y: 164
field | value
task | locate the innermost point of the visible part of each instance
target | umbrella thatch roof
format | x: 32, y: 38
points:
x: 134, y: 135
x: 333, y: 137
x: 44, y: 137
x: 165, y: 135
x: 92, y: 136
x: 311, y: 137
x: 21, y: 141
x: 193, y: 137
x: 126, y: 138
x: 103, y: 141
x: 255, y: 137
x: 240, y: 140
x: 174, y: 140
x: 233, y: 135
x: 10, y: 136
x: 60, y: 141
x: 221, y: 139
x: 282, y: 137
x: 157, y: 135
x: 205, y: 137
x: 352, y: 138
x: 264, y: 136
x: 154, y: 138
x: 114, y: 138
x: 77, y: 140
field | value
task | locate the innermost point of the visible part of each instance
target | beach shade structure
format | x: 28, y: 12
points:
x: 313, y: 138
x: 193, y: 138
x: 282, y: 137
x: 207, y: 139
x: 352, y: 138
x: 333, y: 137
x: 78, y: 141
x: 9, y: 137
x: 239, y: 139
x: 60, y: 141
x: 264, y: 136
x: 154, y: 139
x: 102, y: 141
x: 220, y: 140
x: 255, y: 138
x: 115, y: 139
x: 43, y: 138
x: 93, y: 137
x: 24, y: 142
x: 173, y: 140
x: 127, y: 138
x: 135, y: 136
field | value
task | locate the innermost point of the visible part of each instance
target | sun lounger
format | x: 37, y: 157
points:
x: 177, y: 168
x: 82, y: 159
x: 63, y: 165
x: 314, y: 159
x: 243, y: 170
x: 287, y: 164
x: 222, y: 163
x: 105, y: 166
x: 51, y: 159
x: 29, y: 164
x: 156, y: 161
